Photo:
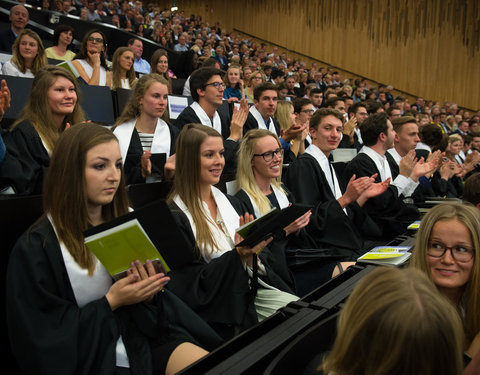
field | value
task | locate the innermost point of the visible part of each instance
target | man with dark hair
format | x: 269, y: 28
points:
x: 207, y: 87
x: 462, y: 128
x: 18, y: 20
x: 277, y: 76
x: 139, y: 65
x: 430, y: 137
x: 337, y: 221
x: 265, y: 99
x: 316, y: 96
x: 387, y: 209
x: 471, y: 190
x: 208, y: 63
x: 352, y: 137
x: 393, y: 112
x: 336, y: 103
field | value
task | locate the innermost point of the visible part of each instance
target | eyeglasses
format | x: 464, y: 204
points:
x: 92, y: 39
x: 217, y: 85
x: 307, y: 111
x: 268, y: 156
x: 459, y: 253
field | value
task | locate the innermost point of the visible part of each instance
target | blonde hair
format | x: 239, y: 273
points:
x: 470, y: 217
x: 225, y: 77
x: 245, y: 175
x: 37, y: 109
x: 282, y: 113
x: 116, y: 79
x: 18, y: 60
x: 396, y: 323
x: 187, y: 179
x: 133, y: 108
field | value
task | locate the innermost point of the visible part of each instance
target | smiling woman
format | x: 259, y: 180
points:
x: 52, y: 104
x: 28, y: 55
x: 448, y: 251
x: 143, y: 130
x: 218, y: 284
x: 62, y: 39
x: 91, y: 60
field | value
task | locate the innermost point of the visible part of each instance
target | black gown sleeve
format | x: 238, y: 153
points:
x: 329, y: 225
x: 48, y: 332
x: 26, y: 162
x: 218, y: 291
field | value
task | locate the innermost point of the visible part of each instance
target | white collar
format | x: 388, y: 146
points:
x: 205, y: 120
x: 423, y: 146
x: 327, y: 169
x: 230, y: 219
x: 261, y: 122
x: 380, y: 162
x: 161, y: 137
x: 395, y: 155
x: 281, y: 198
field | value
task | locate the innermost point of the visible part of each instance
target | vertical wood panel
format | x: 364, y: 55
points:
x: 428, y: 48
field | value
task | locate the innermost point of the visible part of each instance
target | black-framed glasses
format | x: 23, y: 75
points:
x: 307, y: 110
x: 268, y: 156
x: 459, y: 253
x: 92, y: 39
x: 217, y: 85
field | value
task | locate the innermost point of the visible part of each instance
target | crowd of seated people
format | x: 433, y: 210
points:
x: 278, y: 112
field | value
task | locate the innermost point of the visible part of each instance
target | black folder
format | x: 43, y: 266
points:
x: 273, y: 223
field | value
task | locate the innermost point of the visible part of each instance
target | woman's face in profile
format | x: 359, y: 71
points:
x: 451, y: 271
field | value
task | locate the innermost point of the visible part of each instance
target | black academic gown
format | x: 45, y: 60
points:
x: 188, y: 116
x: 345, y: 142
x: 329, y: 225
x: 388, y: 210
x: 7, y: 38
x: 50, y: 334
x: 26, y: 162
x: 133, y: 165
x: 251, y: 123
x: 219, y: 291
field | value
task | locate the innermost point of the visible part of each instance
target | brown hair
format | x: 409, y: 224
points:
x: 37, y: 110
x: 187, y: 178
x: 65, y: 197
x: 116, y: 79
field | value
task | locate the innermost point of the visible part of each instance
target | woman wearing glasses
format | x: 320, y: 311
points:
x: 90, y: 62
x: 259, y: 182
x: 448, y: 251
x: 255, y: 79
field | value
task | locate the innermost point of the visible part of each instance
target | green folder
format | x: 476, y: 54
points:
x: 116, y: 248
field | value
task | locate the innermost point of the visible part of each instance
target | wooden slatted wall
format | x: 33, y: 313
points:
x: 428, y: 48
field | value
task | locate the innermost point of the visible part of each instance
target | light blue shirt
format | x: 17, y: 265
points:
x: 141, y: 66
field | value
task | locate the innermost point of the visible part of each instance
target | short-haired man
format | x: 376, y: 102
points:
x: 303, y: 109
x: 336, y: 103
x: 316, y: 96
x: 18, y: 20
x: 139, y: 65
x: 352, y: 137
x: 393, y: 112
x: 290, y: 82
x: 405, y: 143
x: 462, y: 128
x: 265, y: 99
x: 261, y: 113
x: 388, y: 209
x: 207, y: 87
x: 337, y: 220
x: 181, y: 46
